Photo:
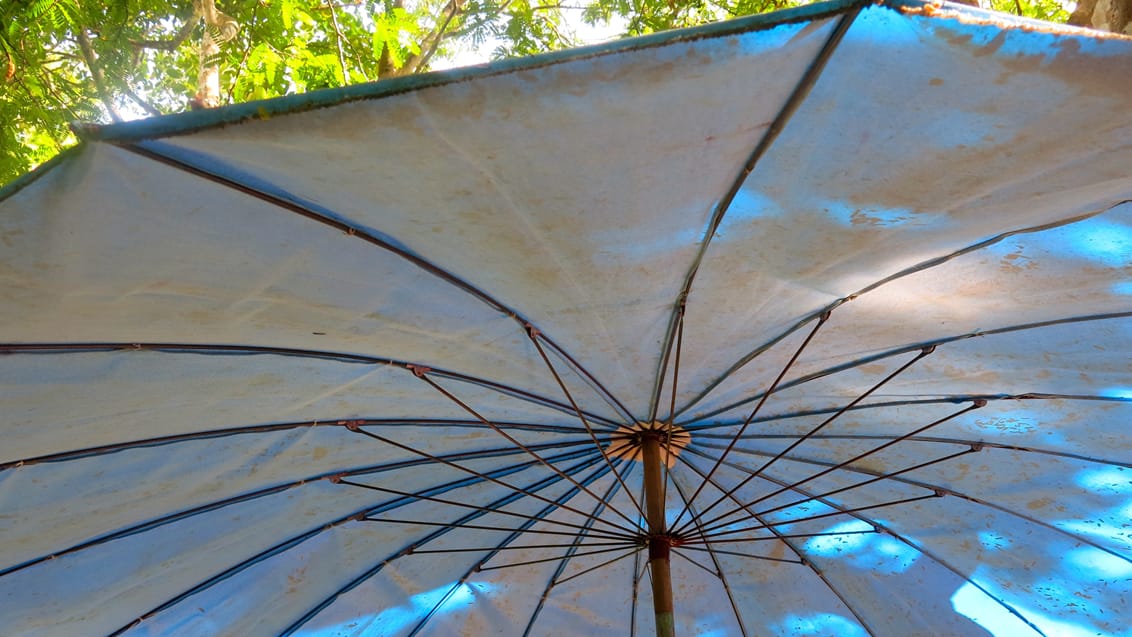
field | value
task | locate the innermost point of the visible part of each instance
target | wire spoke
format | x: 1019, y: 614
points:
x: 591, y: 569
x: 501, y: 483
x: 323, y: 527
x: 612, y: 538
x: 785, y: 538
x: 509, y: 547
x: 413, y: 546
x: 882, y: 528
x: 840, y: 511
x: 533, y: 334
x: 552, y: 559
x: 712, y: 549
x: 718, y: 567
x: 717, y: 523
x: 767, y: 558
x: 773, y: 386
x: 677, y: 552
x: 711, y: 541
x: 422, y: 373
x: 850, y: 461
x: 465, y: 505
x: 806, y: 436
x: 515, y: 534
x: 552, y: 582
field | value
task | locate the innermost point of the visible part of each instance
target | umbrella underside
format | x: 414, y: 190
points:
x: 813, y: 323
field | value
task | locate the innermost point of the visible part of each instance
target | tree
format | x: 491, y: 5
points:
x: 1106, y: 15
x: 68, y: 60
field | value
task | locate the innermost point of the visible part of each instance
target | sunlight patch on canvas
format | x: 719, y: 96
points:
x: 1103, y: 242
x: 980, y: 608
x: 1106, y: 480
x: 869, y: 551
x: 450, y: 597
x: 819, y: 624
x: 1098, y: 563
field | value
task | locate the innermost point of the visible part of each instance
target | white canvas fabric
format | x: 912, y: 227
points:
x: 347, y: 363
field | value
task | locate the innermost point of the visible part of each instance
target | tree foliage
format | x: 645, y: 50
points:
x: 68, y: 60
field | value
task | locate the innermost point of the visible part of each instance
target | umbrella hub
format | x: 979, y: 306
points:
x: 626, y: 441
x: 660, y: 544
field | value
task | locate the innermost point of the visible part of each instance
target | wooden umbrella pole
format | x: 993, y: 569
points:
x: 659, y: 544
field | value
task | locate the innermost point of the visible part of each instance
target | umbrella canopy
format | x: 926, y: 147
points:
x: 824, y: 316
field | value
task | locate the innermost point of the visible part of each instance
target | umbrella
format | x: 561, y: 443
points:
x: 811, y: 323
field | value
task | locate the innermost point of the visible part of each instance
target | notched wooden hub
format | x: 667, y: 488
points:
x: 626, y: 441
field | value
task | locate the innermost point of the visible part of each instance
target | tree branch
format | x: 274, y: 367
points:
x: 149, y: 108
x: 431, y: 42
x: 357, y: 58
x: 96, y: 73
x: 247, y: 51
x: 174, y: 43
x: 341, y: 5
x: 457, y: 33
x: 338, y: 42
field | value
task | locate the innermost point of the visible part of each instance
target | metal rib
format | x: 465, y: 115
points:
x: 408, y: 549
x: 793, y: 102
x: 918, y: 346
x: 895, y: 477
x: 316, y: 530
x: 930, y: 555
x: 562, y: 565
x: 218, y: 349
x: 925, y: 265
x: 159, y: 441
x: 966, y: 442
x: 267, y: 491
x: 326, y: 217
